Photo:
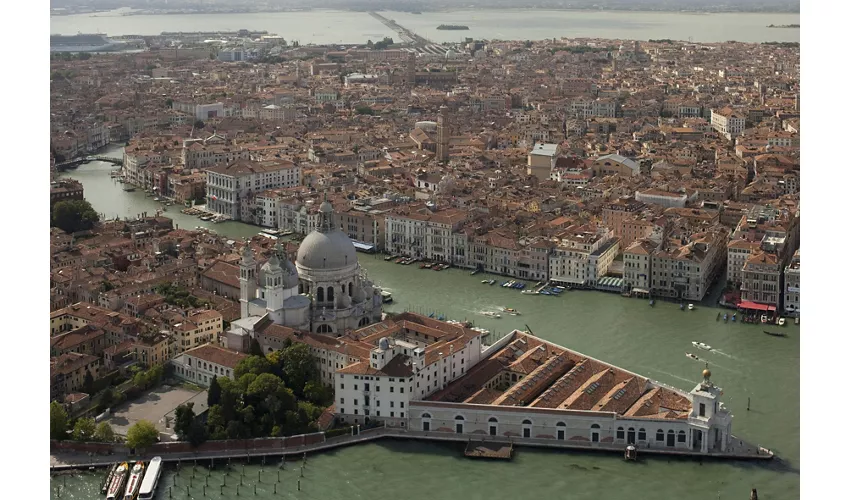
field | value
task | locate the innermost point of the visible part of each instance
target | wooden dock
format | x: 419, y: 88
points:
x: 492, y: 449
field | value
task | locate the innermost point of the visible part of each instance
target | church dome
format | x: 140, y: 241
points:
x: 326, y: 250
x: 290, y: 275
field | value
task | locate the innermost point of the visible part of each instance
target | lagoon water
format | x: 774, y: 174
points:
x: 330, y: 26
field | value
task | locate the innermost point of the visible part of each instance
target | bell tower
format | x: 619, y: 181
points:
x: 247, y: 280
x: 443, y: 134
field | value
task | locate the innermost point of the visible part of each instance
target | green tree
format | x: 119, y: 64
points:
x: 199, y: 124
x: 107, y: 397
x: 58, y: 421
x: 197, y: 433
x: 263, y: 386
x: 216, y: 424
x: 84, y: 429
x: 104, y: 433
x: 169, y: 102
x: 184, y: 415
x: 299, y: 367
x: 364, y: 110
x: 252, y: 364
x: 88, y: 382
x: 142, y: 434
x: 318, y: 393
x: 73, y: 215
x: 213, y: 393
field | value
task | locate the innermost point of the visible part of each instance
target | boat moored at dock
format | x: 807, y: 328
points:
x: 151, y: 479
x: 135, y: 481
x: 116, y: 485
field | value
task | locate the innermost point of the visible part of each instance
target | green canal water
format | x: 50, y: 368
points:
x: 651, y: 341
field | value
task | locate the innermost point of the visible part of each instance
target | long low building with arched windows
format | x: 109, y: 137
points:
x: 428, y: 382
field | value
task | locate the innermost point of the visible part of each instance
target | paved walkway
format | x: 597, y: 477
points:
x: 61, y: 461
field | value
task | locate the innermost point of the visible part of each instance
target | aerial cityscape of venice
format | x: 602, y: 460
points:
x: 338, y: 249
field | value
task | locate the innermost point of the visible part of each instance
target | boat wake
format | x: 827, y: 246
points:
x: 683, y: 379
x: 718, y: 351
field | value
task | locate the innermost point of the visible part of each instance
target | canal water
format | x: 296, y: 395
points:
x: 651, y: 341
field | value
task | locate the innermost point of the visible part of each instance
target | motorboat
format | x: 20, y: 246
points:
x: 781, y: 321
x: 135, y: 481
x: 764, y: 318
x: 492, y: 314
x: 386, y: 297
x: 702, y: 346
x: 692, y: 356
x: 485, y: 282
x: 690, y: 307
x: 512, y: 312
x: 631, y: 453
x: 776, y: 334
x: 109, y: 476
x: 733, y: 318
x: 116, y: 484
x: 652, y: 303
x: 389, y: 258
x: 681, y: 307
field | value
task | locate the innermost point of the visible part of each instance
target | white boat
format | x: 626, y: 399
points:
x: 512, y: 312
x: 117, y: 482
x: 156, y: 198
x: 151, y: 479
x: 386, y: 297
x: 492, y: 314
x: 702, y: 346
x: 692, y: 356
x: 781, y: 321
x: 690, y: 307
x: 135, y: 481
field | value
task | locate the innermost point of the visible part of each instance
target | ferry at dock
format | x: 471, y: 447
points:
x: 151, y: 479
x: 117, y: 482
x: 135, y: 481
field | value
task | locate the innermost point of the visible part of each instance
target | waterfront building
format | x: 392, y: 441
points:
x: 325, y: 291
x: 201, y: 364
x: 686, y: 268
x: 421, y: 374
x: 583, y: 255
x: 231, y: 188
x: 792, y: 286
x: 761, y: 277
x: 637, y: 266
x: 426, y: 232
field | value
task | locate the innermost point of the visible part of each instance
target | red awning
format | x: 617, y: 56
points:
x: 753, y: 306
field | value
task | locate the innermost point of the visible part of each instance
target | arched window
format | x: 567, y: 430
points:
x: 659, y: 436
x: 594, y: 426
x: 594, y: 433
x: 459, y: 424
x: 630, y: 436
x: 493, y: 425
x: 671, y: 438
x: 426, y: 415
x: 621, y: 434
x: 330, y: 294
x: 682, y: 437
x: 363, y: 322
x: 320, y: 294
x: 324, y: 329
x: 300, y: 287
x: 561, y: 429
x: 526, y: 428
x: 350, y: 289
x: 642, y: 435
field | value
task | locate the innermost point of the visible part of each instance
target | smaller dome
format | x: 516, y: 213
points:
x: 272, y: 265
x: 706, y: 373
x: 326, y: 207
x: 290, y: 275
x: 384, y: 344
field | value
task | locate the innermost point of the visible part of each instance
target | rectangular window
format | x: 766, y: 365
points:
x: 342, y: 401
x: 702, y: 409
x: 392, y: 414
x: 392, y: 389
x: 402, y: 416
x: 355, y: 402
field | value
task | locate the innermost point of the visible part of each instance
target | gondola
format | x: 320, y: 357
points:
x: 776, y: 334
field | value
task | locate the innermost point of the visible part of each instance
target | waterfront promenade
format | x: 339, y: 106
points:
x: 68, y: 460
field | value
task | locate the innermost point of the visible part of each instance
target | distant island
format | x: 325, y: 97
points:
x: 784, y: 26
x: 452, y: 27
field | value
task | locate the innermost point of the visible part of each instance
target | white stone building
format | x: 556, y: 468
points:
x: 792, y: 286
x: 200, y: 364
x: 229, y: 185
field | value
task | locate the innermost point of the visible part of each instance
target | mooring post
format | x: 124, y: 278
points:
x: 748, y: 403
x: 299, y: 485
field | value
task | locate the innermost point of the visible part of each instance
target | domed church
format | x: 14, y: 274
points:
x: 325, y: 291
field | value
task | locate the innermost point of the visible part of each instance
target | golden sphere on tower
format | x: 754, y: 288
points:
x: 706, y: 373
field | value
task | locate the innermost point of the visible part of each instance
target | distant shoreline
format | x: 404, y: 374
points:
x: 144, y: 12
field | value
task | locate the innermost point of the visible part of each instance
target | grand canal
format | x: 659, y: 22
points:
x: 651, y: 341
